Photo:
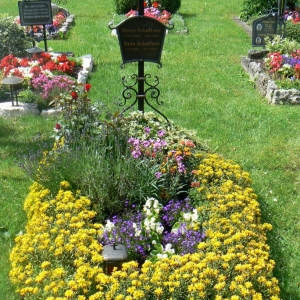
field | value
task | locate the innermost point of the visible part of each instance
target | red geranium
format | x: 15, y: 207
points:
x: 155, y: 4
x: 74, y: 95
x: 24, y: 62
x: 57, y: 126
x: 87, y: 87
x: 62, y: 58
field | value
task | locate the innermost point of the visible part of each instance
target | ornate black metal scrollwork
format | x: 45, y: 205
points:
x: 131, y: 93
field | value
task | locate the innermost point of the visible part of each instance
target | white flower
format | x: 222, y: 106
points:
x: 194, y: 216
x: 109, y: 226
x: 159, y: 228
x: 162, y: 256
x: 137, y: 232
x: 154, y: 242
x: 187, y: 216
x: 169, y: 249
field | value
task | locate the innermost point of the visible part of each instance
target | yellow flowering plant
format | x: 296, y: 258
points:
x: 232, y: 263
x: 59, y: 254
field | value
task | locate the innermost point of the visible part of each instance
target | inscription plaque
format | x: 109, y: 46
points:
x: 141, y: 38
x: 35, y: 12
x: 263, y: 27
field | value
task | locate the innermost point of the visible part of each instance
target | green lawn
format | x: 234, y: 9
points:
x: 204, y: 88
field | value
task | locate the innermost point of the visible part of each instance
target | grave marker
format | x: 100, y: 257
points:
x: 263, y: 27
x: 141, y: 39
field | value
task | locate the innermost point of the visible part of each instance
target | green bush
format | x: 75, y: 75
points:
x: 13, y: 39
x: 292, y: 31
x: 282, y: 45
x: 124, y: 6
x: 171, y: 6
x: 260, y: 7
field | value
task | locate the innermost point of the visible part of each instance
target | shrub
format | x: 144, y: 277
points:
x: 171, y: 6
x: 292, y: 31
x: 282, y: 45
x: 260, y: 7
x: 13, y: 39
x: 124, y: 6
x: 254, y: 7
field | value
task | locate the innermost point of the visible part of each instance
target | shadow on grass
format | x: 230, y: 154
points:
x: 277, y: 252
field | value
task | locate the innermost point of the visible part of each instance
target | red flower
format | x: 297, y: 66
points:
x: 62, y: 58
x: 24, y: 62
x: 155, y: 4
x: 87, y: 87
x: 145, y: 4
x: 57, y: 126
x: 50, y: 65
x: 74, y: 95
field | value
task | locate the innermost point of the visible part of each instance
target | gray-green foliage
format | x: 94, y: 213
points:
x: 292, y: 31
x: 13, y: 39
x: 282, y: 45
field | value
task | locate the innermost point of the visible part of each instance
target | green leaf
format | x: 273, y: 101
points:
x: 4, y: 233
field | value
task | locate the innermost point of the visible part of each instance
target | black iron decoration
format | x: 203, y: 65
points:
x: 141, y: 39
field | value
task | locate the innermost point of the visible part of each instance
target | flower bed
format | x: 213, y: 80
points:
x: 62, y: 21
x: 266, y: 84
x: 47, y: 74
x: 59, y: 254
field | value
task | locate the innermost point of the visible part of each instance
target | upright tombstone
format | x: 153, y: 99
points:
x: 263, y: 27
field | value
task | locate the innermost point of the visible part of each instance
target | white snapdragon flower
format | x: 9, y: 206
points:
x: 187, y: 216
x: 169, y: 249
x: 162, y: 256
x: 109, y: 226
x: 194, y: 215
x: 159, y: 228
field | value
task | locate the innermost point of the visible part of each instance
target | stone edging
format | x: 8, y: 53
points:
x: 266, y: 86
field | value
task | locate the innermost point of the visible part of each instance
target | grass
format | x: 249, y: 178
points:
x: 204, y: 88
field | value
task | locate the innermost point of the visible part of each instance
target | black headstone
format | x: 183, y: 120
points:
x: 141, y: 38
x: 263, y: 27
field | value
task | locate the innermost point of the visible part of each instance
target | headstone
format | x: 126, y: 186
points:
x: 35, y: 12
x: 263, y: 27
x: 141, y: 38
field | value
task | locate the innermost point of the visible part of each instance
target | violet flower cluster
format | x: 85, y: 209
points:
x: 292, y: 61
x: 146, y: 147
x: 184, y: 239
x: 48, y: 85
x: 155, y: 231
x: 171, y: 212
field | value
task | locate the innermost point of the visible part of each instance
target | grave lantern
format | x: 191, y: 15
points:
x: 113, y: 257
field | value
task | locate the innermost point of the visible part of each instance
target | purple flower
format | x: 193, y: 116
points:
x: 183, y: 240
x: 147, y: 130
x: 161, y: 133
x: 158, y: 175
